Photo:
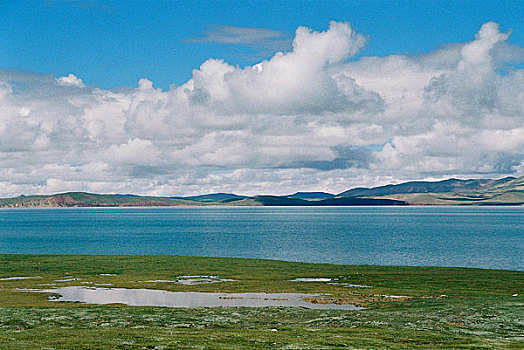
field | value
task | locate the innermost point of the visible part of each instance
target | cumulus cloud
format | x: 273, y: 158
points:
x: 70, y: 80
x: 312, y: 118
x: 467, y: 119
x: 297, y: 82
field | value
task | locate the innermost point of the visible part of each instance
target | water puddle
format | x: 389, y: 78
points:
x: 350, y: 285
x: 312, y: 279
x: 153, y: 297
x: 67, y: 280
x: 17, y: 278
x: 195, y: 280
x: 158, y: 281
x: 192, y: 280
x: 334, y: 282
x: 395, y: 296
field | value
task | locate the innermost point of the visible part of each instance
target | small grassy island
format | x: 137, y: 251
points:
x: 405, y: 307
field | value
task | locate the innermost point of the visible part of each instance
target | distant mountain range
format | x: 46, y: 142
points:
x: 449, y: 185
x: 506, y: 191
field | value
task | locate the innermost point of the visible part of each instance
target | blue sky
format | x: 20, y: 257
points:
x: 257, y: 97
x: 115, y: 43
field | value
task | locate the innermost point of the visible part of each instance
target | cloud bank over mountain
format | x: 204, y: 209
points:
x: 313, y: 118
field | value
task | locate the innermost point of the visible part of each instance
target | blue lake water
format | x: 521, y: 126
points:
x: 487, y: 237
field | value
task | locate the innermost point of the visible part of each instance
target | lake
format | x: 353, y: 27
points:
x: 485, y: 237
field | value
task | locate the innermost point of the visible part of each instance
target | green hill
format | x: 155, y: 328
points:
x: 82, y: 199
x: 449, y: 185
x: 506, y: 191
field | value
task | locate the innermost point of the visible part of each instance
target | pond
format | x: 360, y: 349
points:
x: 155, y: 297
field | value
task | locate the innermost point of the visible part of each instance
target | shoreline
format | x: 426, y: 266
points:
x: 85, y: 255
x: 483, y: 205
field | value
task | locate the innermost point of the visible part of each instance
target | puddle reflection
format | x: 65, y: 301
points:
x: 153, y: 297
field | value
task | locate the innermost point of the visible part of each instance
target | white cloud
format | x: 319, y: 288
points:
x: 307, y: 119
x: 135, y: 151
x: 297, y: 82
x: 70, y: 80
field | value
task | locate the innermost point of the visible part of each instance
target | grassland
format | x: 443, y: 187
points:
x: 442, y: 308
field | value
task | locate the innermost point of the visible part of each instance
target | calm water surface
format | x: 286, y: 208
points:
x: 487, y: 237
x: 155, y: 297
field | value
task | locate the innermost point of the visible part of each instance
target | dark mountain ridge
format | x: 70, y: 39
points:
x: 297, y: 202
x: 310, y: 195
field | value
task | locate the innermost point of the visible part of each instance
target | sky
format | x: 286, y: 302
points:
x: 257, y: 97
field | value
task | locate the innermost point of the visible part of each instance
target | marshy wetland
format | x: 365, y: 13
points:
x: 402, y: 307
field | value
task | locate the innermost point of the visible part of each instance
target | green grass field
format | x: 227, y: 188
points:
x: 443, y: 308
